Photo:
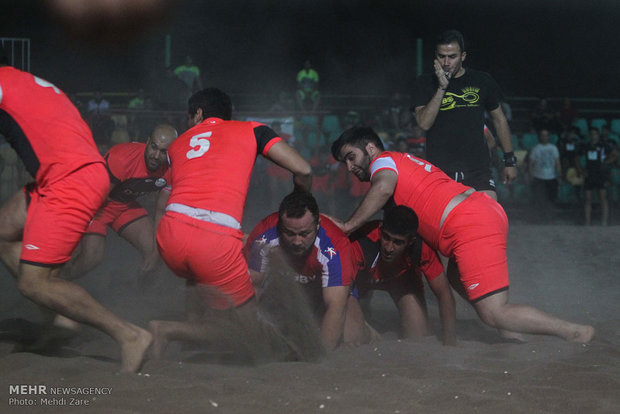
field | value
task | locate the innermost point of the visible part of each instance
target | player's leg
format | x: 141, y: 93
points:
x: 588, y: 207
x: 602, y: 196
x: 219, y: 328
x: 495, y: 311
x: 12, y: 221
x: 42, y: 285
x: 140, y: 233
x: 88, y: 256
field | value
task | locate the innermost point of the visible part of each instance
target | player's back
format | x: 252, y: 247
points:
x: 43, y: 126
x: 211, y: 166
x: 422, y: 187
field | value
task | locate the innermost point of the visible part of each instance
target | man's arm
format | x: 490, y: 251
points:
x: 287, y: 157
x: 332, y: 326
x: 160, y: 205
x: 502, y: 130
x: 382, y: 188
x: 425, y: 115
x: 447, y: 309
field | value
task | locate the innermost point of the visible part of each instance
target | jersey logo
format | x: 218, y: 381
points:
x: 331, y: 252
x: 262, y: 240
x: 304, y: 279
x: 31, y: 247
x: 472, y: 287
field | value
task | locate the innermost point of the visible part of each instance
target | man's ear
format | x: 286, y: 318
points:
x: 198, y: 116
x: 463, y: 56
x: 372, y: 150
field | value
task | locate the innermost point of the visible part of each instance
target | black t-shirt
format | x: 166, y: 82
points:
x: 456, y: 141
x: 595, y: 155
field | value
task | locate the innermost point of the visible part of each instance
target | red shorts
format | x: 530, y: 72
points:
x: 59, y: 213
x: 116, y: 215
x: 475, y: 234
x: 207, y: 254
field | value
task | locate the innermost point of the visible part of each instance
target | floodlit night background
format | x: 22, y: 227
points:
x: 548, y: 48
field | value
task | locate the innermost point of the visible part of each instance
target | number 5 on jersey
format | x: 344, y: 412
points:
x: 200, y: 144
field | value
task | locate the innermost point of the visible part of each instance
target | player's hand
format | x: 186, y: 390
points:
x: 441, y: 75
x: 510, y: 173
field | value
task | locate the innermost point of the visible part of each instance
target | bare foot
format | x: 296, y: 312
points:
x: 582, y: 334
x: 132, y: 351
x: 160, y: 342
x: 512, y: 335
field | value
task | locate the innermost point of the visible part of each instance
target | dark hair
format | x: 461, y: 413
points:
x: 400, y: 220
x: 450, y: 36
x: 297, y: 203
x: 359, y: 137
x: 213, y: 102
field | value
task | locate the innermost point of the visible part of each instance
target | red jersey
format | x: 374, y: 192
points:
x: 212, y: 162
x: 422, y: 187
x: 129, y: 175
x: 421, y: 260
x: 43, y: 126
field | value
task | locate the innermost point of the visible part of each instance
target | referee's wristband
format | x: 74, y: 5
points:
x: 509, y: 159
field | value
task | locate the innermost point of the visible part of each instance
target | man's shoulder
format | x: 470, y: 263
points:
x: 125, y: 150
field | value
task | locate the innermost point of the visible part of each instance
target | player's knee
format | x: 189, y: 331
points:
x: 28, y: 285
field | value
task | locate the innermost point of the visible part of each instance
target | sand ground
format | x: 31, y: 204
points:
x: 570, y: 271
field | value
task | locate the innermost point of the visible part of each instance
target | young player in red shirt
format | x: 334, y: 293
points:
x: 395, y: 260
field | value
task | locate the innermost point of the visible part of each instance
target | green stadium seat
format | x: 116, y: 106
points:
x: 615, y: 126
x: 553, y: 139
x: 529, y: 140
x: 582, y: 124
x: 598, y: 123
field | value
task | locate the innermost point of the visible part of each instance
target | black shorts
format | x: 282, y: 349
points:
x: 480, y: 180
x: 595, y: 180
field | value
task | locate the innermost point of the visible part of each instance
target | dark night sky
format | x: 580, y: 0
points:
x: 533, y: 48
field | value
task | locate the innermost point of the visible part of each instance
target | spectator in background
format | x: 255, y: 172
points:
x: 396, y: 117
x: 545, y: 174
x: 308, y: 88
x: 567, y: 114
x: 608, y: 138
x: 543, y: 117
x: 189, y: 74
x: 99, y: 120
x: 599, y: 157
x: 137, y: 102
x: 568, y: 145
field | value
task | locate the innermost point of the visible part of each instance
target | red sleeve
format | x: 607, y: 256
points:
x: 430, y: 264
x: 116, y: 163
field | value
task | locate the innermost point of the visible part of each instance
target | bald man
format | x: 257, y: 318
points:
x: 135, y: 169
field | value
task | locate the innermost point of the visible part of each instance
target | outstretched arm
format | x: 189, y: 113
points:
x: 447, y: 307
x: 287, y: 157
x: 332, y: 326
x: 382, y: 188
